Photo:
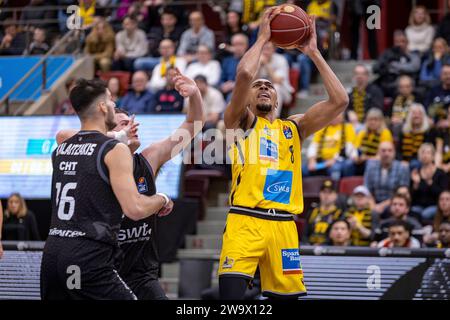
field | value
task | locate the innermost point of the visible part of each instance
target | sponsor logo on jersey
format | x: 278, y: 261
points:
x: 268, y: 150
x: 291, y: 261
x: 142, y: 185
x: 228, y: 263
x: 134, y: 234
x: 287, y: 132
x: 68, y: 168
x: 66, y: 233
x: 267, y: 131
x: 278, y: 185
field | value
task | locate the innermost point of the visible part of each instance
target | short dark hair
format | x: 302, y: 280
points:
x: 201, y: 78
x: 120, y: 110
x: 402, y: 196
x: 401, y: 223
x: 84, y: 93
x: 169, y: 11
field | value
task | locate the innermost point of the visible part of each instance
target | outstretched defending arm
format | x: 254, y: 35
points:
x: 323, y: 112
x: 236, y: 114
x: 162, y: 151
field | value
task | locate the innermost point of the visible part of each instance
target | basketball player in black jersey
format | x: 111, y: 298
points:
x: 92, y: 186
x: 139, y: 266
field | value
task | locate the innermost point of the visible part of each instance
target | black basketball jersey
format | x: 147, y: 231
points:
x: 83, y: 203
x: 137, y: 238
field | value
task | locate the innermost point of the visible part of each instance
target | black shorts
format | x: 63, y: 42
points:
x: 144, y: 282
x: 148, y: 289
x: 80, y: 269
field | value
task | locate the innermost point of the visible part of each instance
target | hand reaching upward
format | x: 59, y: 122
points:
x: 184, y: 85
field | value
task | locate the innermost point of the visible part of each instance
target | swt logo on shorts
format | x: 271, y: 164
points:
x: 291, y: 261
x: 278, y: 185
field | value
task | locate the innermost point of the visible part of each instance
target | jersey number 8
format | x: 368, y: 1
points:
x: 61, y: 202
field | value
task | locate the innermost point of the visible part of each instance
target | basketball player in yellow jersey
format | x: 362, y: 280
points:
x: 267, y: 180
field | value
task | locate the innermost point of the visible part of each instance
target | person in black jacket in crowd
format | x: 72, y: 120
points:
x: 19, y: 223
x: 394, y: 62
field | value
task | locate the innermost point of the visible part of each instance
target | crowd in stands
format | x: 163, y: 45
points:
x: 395, y: 134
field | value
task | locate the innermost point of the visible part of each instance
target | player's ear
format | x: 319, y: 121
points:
x: 103, y: 107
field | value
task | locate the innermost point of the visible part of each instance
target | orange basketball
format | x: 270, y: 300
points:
x: 290, y: 27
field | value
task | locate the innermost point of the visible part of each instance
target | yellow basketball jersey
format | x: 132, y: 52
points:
x: 266, y: 167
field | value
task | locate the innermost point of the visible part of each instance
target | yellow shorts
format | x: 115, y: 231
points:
x: 249, y: 242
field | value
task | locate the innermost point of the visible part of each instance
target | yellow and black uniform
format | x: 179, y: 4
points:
x: 266, y: 193
x: 252, y: 9
x: 444, y: 135
x: 330, y: 142
x: 322, y: 10
x: 401, y: 105
x: 367, y: 219
x: 318, y: 223
x: 367, y: 142
x: 358, y: 97
x: 87, y: 13
x: 410, y: 143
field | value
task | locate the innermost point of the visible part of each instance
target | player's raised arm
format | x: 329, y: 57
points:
x: 162, y: 151
x: 323, y: 112
x: 134, y: 205
x: 236, y: 114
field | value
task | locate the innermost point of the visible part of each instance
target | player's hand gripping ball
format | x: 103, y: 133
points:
x: 291, y: 27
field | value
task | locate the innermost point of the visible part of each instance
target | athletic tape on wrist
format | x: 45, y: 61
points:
x: 166, y: 198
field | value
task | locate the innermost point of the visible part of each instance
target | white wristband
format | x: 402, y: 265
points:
x: 166, y: 198
x: 121, y: 136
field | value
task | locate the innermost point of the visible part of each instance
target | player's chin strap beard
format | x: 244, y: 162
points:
x: 264, y: 107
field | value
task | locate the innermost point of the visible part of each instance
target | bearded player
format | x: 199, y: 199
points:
x: 267, y: 180
x: 138, y: 265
